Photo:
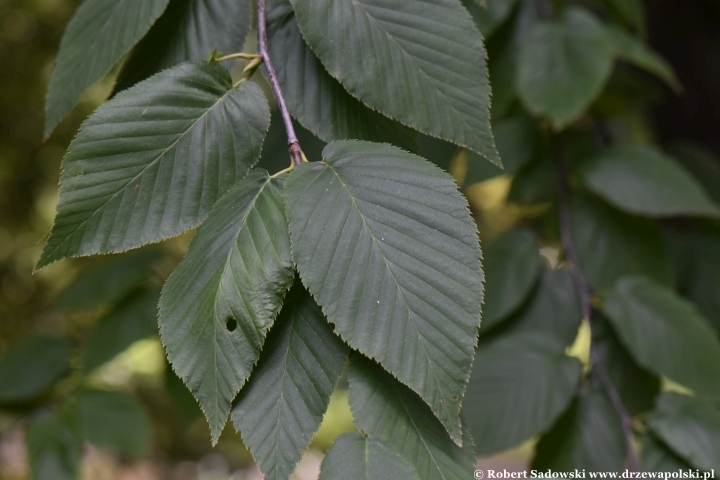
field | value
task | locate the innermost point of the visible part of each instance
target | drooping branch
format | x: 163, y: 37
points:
x: 293, y: 144
x: 586, y: 300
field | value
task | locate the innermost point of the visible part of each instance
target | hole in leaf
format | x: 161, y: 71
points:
x: 455, y: 398
x: 231, y: 324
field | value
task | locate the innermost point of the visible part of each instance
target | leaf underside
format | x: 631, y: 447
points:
x: 150, y: 163
x: 283, y: 403
x: 218, y: 305
x: 382, y: 53
x: 385, y: 243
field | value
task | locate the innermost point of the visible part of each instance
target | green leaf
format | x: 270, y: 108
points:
x: 316, y: 99
x: 217, y: 307
x: 698, y: 265
x: 518, y: 388
x: 641, y: 180
x: 440, y: 152
x: 385, y: 243
x: 535, y: 182
x: 354, y: 457
x: 283, y: 403
x: 97, y: 37
x: 512, y: 268
x: 516, y: 138
x: 588, y: 436
x: 188, y: 30
x: 502, y: 49
x: 54, y: 450
x: 150, y: 163
x: 490, y: 14
x: 633, y: 50
x: 657, y: 457
x: 132, y: 321
x: 612, y: 244
x: 388, y: 411
x: 702, y: 163
x: 552, y: 316
x: 110, y: 419
x: 563, y: 65
x: 437, y: 84
x: 631, y: 11
x: 665, y: 334
x: 690, y: 426
x: 32, y: 367
x: 636, y: 386
x: 181, y: 397
x: 110, y: 282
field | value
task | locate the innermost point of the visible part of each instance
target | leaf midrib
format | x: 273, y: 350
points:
x: 397, y: 285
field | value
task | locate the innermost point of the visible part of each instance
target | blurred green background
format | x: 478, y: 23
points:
x: 687, y: 33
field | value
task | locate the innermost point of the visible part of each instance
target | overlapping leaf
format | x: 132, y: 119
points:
x: 389, y: 412
x: 612, y: 244
x: 132, y: 321
x: 701, y: 162
x: 110, y: 419
x: 563, y: 65
x: 633, y: 50
x: 30, y: 368
x: 588, y: 436
x: 665, y: 334
x: 285, y: 399
x: 552, y: 315
x: 109, y: 282
x: 641, y: 180
x: 217, y: 307
x: 188, y: 30
x: 382, y: 53
x: 54, y: 449
x: 690, y: 426
x: 385, y: 243
x: 698, y: 270
x: 151, y: 162
x: 657, y: 457
x: 512, y: 268
x: 315, y: 98
x: 489, y: 14
x: 100, y: 33
x: 354, y: 457
x: 636, y: 386
x: 518, y: 388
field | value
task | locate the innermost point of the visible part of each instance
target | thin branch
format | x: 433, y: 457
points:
x: 586, y: 300
x: 293, y: 144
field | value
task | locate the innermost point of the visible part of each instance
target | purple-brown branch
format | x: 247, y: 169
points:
x: 598, y: 368
x: 293, y: 144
